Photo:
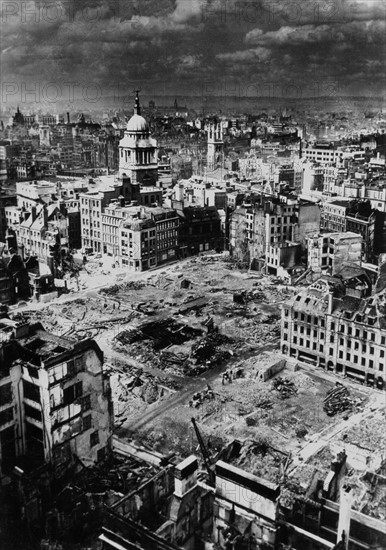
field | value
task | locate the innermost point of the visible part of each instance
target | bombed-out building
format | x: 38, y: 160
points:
x: 329, y: 252
x: 271, y: 232
x: 178, y: 508
x: 55, y: 399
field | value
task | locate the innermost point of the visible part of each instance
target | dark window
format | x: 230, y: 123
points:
x: 86, y: 403
x: 71, y: 368
x: 6, y: 416
x: 68, y: 395
x: 33, y: 371
x: 78, y: 389
x: 31, y: 391
x: 32, y: 412
x: 72, y: 392
x: 101, y: 454
x: 94, y: 439
x: 33, y: 432
x: 6, y: 393
x: 87, y: 422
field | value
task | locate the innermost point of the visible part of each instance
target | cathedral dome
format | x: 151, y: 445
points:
x: 137, y: 124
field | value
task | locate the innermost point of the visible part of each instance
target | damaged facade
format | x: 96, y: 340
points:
x: 329, y: 252
x: 271, y: 233
x: 55, y: 399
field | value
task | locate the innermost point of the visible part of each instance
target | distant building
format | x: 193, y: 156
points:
x: 138, y: 151
x: 215, y: 154
x: 6, y: 200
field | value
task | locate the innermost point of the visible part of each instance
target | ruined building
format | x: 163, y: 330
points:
x: 55, y: 401
x: 339, y: 324
x: 176, y: 509
x: 329, y: 252
x: 271, y: 232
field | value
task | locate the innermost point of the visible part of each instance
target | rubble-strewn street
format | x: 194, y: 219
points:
x: 170, y: 327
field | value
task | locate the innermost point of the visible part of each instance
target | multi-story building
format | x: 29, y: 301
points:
x: 135, y: 184
x: 55, y: 400
x: 138, y: 151
x: 196, y: 192
x: 14, y: 283
x: 329, y: 252
x: 138, y: 245
x: 337, y: 323
x: 355, y: 216
x: 201, y: 230
x: 215, y: 153
x: 43, y: 232
x: 6, y: 200
x: 148, y: 237
x: 31, y: 193
x: 265, y: 230
x: 323, y: 153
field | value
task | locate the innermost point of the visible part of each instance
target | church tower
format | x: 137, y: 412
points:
x: 138, y: 158
x: 215, y: 146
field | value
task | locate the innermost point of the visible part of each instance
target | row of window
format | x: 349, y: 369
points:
x: 341, y: 329
x: 348, y: 356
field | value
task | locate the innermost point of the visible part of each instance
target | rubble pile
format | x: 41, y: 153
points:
x: 207, y: 351
x: 117, y: 473
x: 369, y: 434
x: 122, y: 288
x: 260, y: 459
x: 337, y: 400
x: 285, y: 387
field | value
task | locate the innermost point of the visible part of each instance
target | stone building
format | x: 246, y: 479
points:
x: 338, y: 323
x: 271, y: 232
x: 329, y: 252
x: 55, y: 400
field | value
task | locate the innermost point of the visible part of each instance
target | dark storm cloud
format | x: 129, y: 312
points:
x: 189, y: 44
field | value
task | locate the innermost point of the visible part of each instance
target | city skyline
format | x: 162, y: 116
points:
x: 62, y: 51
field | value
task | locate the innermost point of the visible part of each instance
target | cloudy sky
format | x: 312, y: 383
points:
x: 256, y: 47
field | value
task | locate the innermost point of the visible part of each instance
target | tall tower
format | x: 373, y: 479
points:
x: 215, y: 146
x: 138, y: 157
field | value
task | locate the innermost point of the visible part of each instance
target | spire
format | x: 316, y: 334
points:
x: 137, y: 107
